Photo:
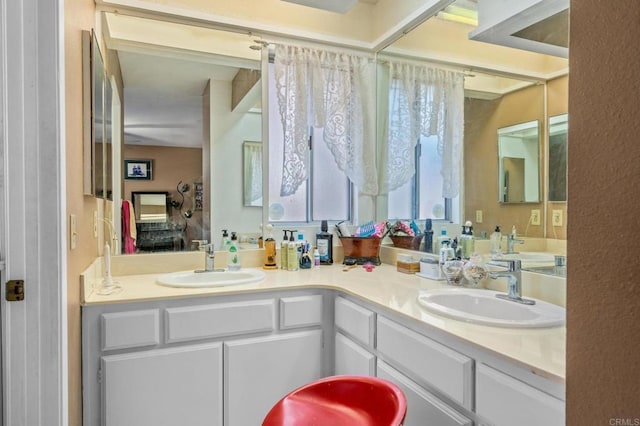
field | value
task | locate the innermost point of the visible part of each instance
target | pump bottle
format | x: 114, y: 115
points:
x: 233, y: 262
x: 284, y: 248
x: 292, y: 254
x: 466, y: 240
x: 496, y: 243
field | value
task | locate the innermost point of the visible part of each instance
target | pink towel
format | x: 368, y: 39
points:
x: 128, y: 234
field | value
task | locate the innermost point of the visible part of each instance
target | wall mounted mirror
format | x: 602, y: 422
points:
x: 189, y: 103
x: 252, y: 173
x: 518, y: 163
x: 557, y: 154
x: 94, y: 121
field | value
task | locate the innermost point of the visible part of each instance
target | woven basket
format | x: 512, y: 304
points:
x: 361, y: 250
x: 407, y: 242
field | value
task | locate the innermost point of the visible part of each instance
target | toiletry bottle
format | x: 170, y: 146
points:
x: 224, y: 244
x: 233, y: 262
x: 496, y: 243
x: 466, y: 240
x: 446, y: 252
x: 443, y: 237
x: 324, y: 244
x: 316, y: 258
x: 426, y: 244
x: 292, y: 254
x: 269, y: 249
x: 284, y: 248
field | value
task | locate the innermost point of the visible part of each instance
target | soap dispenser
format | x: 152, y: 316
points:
x: 233, y: 261
x: 442, y: 238
x: 269, y: 249
x: 292, y: 254
x: 496, y: 243
x: 284, y: 248
x: 466, y: 240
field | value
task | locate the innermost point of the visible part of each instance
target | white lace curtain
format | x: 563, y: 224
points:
x: 429, y: 102
x: 334, y: 91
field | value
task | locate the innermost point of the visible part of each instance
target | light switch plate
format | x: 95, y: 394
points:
x: 535, y: 217
x: 556, y: 218
x: 478, y: 216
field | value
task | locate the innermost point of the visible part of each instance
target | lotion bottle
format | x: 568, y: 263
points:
x: 284, y: 248
x: 466, y: 240
x: 292, y: 254
x: 496, y: 243
x: 233, y: 261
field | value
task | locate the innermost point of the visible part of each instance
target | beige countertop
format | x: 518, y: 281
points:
x: 542, y: 351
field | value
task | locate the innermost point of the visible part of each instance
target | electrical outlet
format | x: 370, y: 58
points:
x: 556, y: 218
x: 73, y: 231
x: 95, y: 224
x: 478, y: 216
x: 535, y: 217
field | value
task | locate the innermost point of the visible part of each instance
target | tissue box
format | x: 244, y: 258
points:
x: 430, y: 268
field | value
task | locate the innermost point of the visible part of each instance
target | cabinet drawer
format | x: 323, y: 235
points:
x: 224, y: 319
x: 352, y: 359
x: 505, y: 401
x: 428, y: 362
x: 122, y: 330
x: 423, y: 408
x: 355, y: 321
x: 302, y: 311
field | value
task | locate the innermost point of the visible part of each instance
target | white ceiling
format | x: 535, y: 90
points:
x: 163, y: 98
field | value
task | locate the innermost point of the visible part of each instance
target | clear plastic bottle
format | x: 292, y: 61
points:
x: 496, y: 243
x: 466, y: 240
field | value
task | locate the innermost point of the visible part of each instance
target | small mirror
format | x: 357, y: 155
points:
x: 252, y: 178
x: 558, y: 131
x: 150, y: 207
x: 518, y: 163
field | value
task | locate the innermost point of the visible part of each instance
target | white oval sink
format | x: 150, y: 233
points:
x: 210, y: 279
x: 483, y: 307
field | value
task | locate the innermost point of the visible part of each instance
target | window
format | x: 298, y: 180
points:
x: 420, y: 198
x: 327, y: 192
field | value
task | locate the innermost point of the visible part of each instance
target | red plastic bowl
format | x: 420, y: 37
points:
x: 341, y: 401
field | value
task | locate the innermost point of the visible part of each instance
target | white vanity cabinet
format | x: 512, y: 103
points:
x: 354, y: 339
x: 222, y: 360
x: 505, y: 401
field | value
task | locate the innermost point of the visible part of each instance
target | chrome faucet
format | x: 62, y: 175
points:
x: 511, y: 240
x: 209, y: 257
x: 514, y: 277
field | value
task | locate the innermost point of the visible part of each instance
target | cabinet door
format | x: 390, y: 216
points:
x: 505, y: 401
x: 352, y: 359
x: 260, y: 371
x: 164, y: 387
x: 423, y: 408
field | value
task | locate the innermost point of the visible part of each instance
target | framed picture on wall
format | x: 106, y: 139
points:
x: 138, y: 169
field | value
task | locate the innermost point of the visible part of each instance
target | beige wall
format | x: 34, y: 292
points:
x: 79, y: 15
x: 170, y: 166
x: 603, y: 294
x: 482, y: 120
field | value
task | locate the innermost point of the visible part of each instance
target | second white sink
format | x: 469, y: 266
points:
x: 210, y: 279
x: 482, y: 307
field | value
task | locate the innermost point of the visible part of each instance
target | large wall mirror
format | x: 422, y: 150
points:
x: 504, y: 87
x: 190, y: 101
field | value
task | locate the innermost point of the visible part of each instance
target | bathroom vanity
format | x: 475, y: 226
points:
x: 155, y: 355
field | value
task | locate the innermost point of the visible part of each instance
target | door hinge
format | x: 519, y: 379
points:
x: 15, y: 290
